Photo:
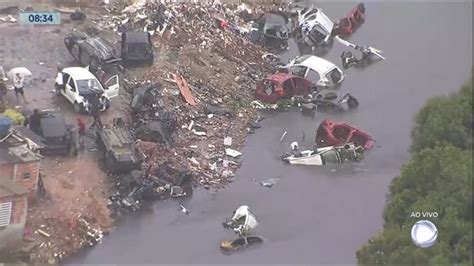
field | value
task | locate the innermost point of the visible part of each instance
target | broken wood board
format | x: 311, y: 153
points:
x: 184, y: 89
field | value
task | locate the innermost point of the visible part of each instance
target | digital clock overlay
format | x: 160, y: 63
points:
x: 40, y: 18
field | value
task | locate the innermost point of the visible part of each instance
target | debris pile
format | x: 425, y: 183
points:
x: 195, y: 101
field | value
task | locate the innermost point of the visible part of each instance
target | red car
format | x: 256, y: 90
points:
x: 282, y: 86
x: 346, y: 26
x: 331, y: 134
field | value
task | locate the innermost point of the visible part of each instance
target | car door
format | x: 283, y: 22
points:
x: 111, y: 86
x: 71, y: 90
x: 301, y: 86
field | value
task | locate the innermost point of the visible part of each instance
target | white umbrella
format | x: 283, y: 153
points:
x: 23, y: 71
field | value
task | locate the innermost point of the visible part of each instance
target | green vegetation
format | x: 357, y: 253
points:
x: 438, y: 178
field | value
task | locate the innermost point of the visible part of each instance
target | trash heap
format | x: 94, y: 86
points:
x: 196, y: 104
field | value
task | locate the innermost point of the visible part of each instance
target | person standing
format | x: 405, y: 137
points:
x: 3, y: 93
x: 18, y: 85
x: 95, y: 112
x: 34, y: 122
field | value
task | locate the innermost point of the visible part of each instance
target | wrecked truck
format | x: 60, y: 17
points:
x: 282, y: 86
x: 137, y: 48
x: 330, y: 133
x: 316, y: 69
x: 325, y: 155
x: 118, y: 148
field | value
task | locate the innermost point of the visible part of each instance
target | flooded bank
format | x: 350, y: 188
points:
x: 316, y: 215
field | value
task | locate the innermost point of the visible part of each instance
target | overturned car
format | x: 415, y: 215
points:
x: 330, y: 133
x: 314, y: 28
x: 118, y: 148
x: 325, y: 155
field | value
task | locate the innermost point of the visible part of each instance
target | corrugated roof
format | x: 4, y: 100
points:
x: 9, y: 188
x: 24, y: 154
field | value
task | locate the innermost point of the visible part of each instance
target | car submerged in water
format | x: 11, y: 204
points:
x: 325, y: 155
x: 282, y: 86
x: 330, y: 133
x: 316, y: 69
x: 313, y: 27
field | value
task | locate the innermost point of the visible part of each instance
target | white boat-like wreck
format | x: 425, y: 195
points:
x: 322, y: 156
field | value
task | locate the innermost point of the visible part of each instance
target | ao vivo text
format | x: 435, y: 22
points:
x: 424, y: 214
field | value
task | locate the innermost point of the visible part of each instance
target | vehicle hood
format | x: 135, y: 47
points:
x: 315, y: 63
x: 90, y: 92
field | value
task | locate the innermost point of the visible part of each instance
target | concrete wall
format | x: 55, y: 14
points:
x: 11, y: 236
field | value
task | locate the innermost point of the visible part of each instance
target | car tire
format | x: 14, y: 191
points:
x: 77, y: 107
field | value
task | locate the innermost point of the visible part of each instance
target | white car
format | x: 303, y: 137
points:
x: 79, y: 87
x: 315, y: 27
x: 316, y: 69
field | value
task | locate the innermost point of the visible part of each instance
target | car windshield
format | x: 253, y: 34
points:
x: 86, y: 86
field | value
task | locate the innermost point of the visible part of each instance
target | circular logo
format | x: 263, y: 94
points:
x: 424, y: 234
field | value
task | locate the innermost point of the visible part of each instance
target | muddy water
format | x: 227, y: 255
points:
x: 316, y: 215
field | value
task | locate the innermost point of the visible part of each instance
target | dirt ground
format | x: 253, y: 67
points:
x: 77, y: 187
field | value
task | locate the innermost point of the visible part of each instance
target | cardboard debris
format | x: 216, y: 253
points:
x: 232, y: 153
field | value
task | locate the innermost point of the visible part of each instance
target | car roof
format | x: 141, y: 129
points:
x: 280, y: 77
x: 316, y: 63
x: 93, y: 45
x: 53, y: 124
x: 136, y: 36
x: 79, y: 73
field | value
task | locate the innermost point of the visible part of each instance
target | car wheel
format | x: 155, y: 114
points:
x: 77, y: 107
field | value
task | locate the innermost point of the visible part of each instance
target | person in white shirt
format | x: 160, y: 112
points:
x: 18, y: 85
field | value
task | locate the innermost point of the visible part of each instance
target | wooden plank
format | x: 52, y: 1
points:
x: 184, y: 89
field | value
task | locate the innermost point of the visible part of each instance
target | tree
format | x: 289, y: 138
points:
x: 438, y: 179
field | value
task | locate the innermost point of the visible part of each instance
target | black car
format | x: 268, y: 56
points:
x: 274, y: 30
x: 94, y: 52
x: 137, y: 48
x: 56, y: 135
x: 118, y: 148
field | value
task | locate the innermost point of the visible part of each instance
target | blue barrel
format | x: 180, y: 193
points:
x: 5, y: 124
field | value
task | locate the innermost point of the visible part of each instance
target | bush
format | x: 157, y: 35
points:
x: 15, y: 116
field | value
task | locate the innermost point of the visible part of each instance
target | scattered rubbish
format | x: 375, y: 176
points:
x: 43, y: 233
x: 184, y: 88
x: 228, y: 141
x: 329, y: 100
x: 268, y: 182
x: 183, y: 209
x: 241, y: 242
x: 199, y: 133
x: 323, y: 156
x: 193, y: 161
x: 232, y: 153
x: 368, y: 54
x: 283, y: 135
x: 77, y: 16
